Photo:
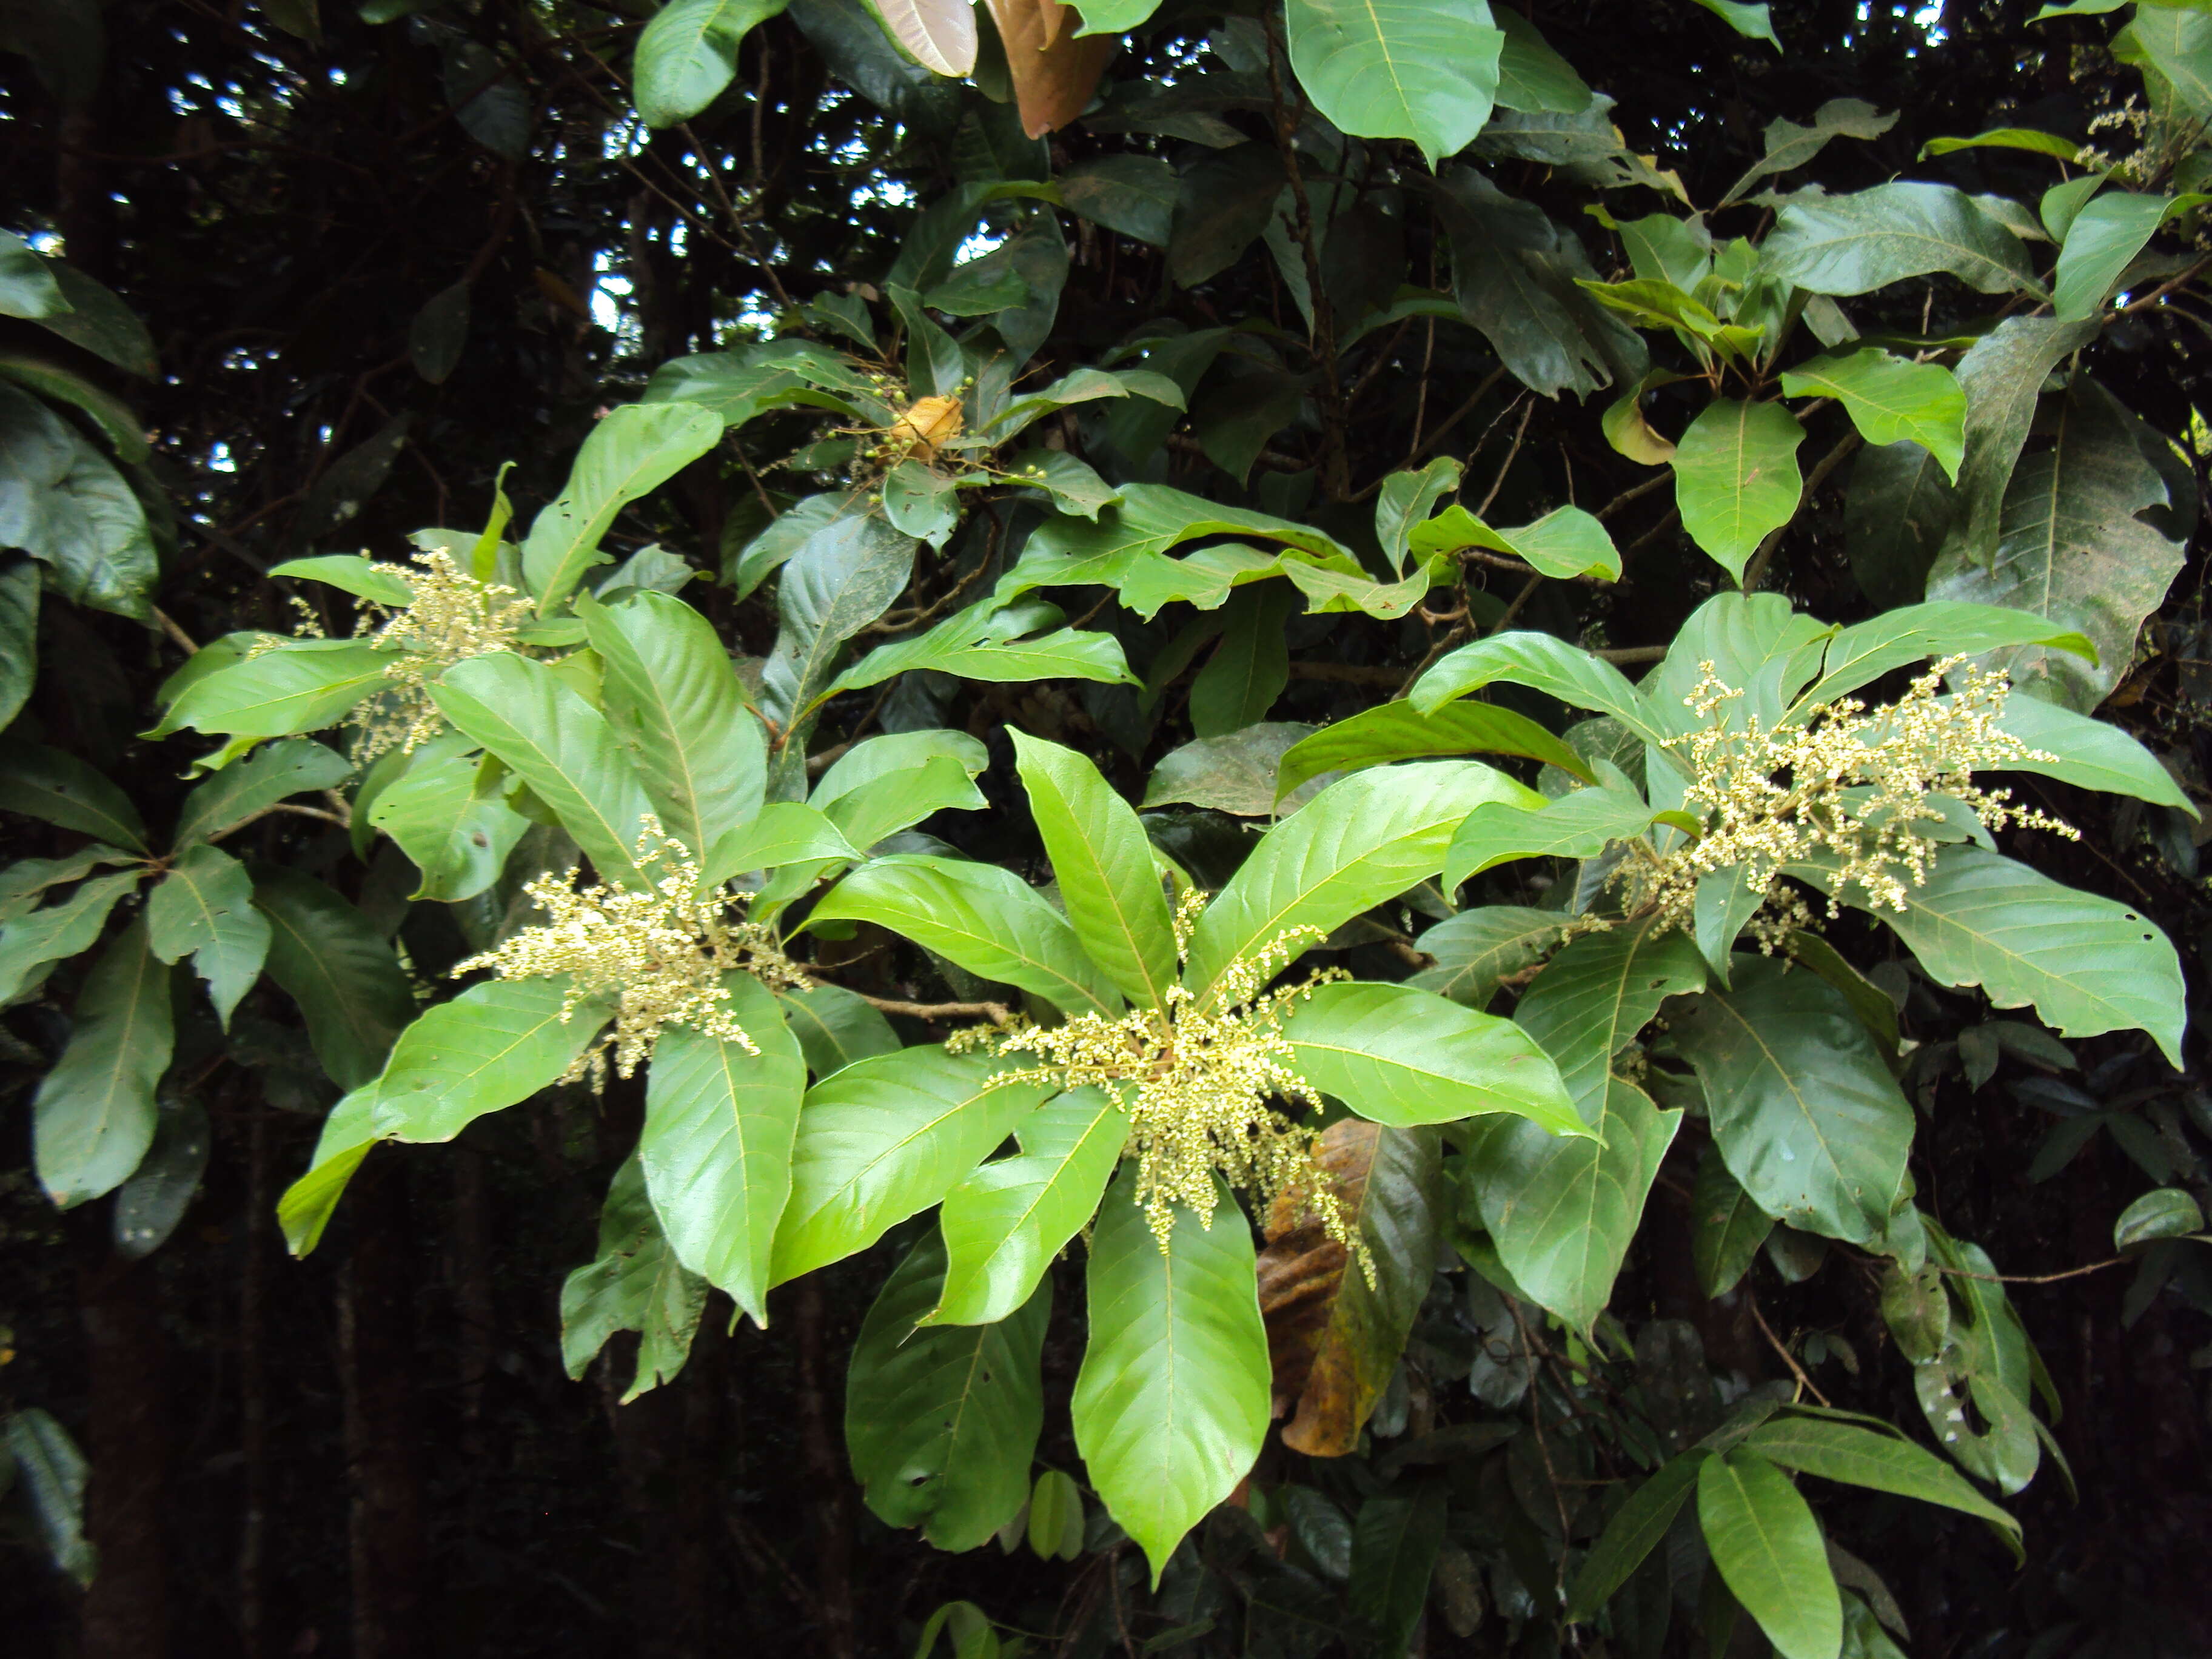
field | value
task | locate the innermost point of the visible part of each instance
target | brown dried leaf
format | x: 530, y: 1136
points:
x: 1334, y: 1340
x: 1054, y: 71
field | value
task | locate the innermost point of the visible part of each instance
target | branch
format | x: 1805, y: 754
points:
x: 997, y: 1012
x: 1755, y: 572
x: 1805, y: 1383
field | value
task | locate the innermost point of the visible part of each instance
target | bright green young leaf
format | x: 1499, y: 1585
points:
x: 1864, y: 652
x: 1478, y: 950
x: 635, y: 1283
x: 1171, y: 1404
x: 1726, y: 1228
x: 674, y: 701
x: 561, y: 747
x: 42, y: 782
x: 492, y: 1047
x: 1405, y: 502
x: 1403, y: 1057
x: 1577, y: 826
x: 982, y: 916
x: 1736, y: 477
x: 882, y: 1138
x: 784, y: 832
x: 1004, y: 1223
x: 1726, y: 900
x: 1866, y: 240
x: 633, y: 451
x: 1396, y: 732
x: 1767, y: 1546
x: 204, y: 907
x: 688, y: 52
x: 1804, y: 1108
x: 31, y: 940
x: 942, y: 1422
x: 1104, y: 863
x: 1542, y: 662
x: 835, y: 1027
x: 2026, y: 139
x: 251, y: 787
x: 2105, y: 236
x: 898, y: 800
x: 1364, y: 839
x: 1397, y: 68
x: 447, y: 818
x: 301, y: 685
x: 1634, y: 1532
x: 352, y: 573
x: 350, y: 989
x: 1565, y: 543
x: 716, y: 1147
x: 1889, y: 399
x: 93, y: 1115
x: 1860, y: 1456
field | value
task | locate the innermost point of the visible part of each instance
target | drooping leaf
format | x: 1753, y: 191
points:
x: 1859, y: 1457
x: 1543, y: 663
x: 716, y: 1147
x: 1053, y: 70
x: 561, y: 747
x: 330, y: 960
x: 2003, y: 376
x: 1866, y: 240
x: 982, y: 643
x: 1332, y: 1339
x: 1171, y: 1406
x: 1790, y: 146
x: 1736, y: 477
x: 882, y: 1138
x: 1767, y: 1547
x: 632, y: 452
x: 1898, y: 508
x: 495, y: 1045
x: 449, y: 818
x: 1365, y: 839
x: 688, y: 54
x: 1405, y: 502
x: 1890, y: 399
x: 1565, y: 543
x: 941, y: 1421
x: 982, y: 916
x: 149, y: 1205
x: 635, y: 1283
x: 93, y: 1115
x: 1636, y: 1529
x: 307, y: 1206
x: 1004, y: 1223
x: 19, y: 636
x: 204, y: 907
x: 1251, y: 665
x: 64, y: 503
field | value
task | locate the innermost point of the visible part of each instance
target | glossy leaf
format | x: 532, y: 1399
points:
x: 93, y: 1115
x: 496, y: 1044
x: 2163, y: 1213
x: 980, y: 643
x: 1392, y: 70
x: 882, y: 1138
x: 1866, y: 240
x: 19, y: 636
x: 1361, y: 841
x: 1890, y: 399
x: 303, y: 685
x: 1542, y: 662
x: 835, y: 1027
x: 1170, y: 1406
x: 784, y: 832
x: 1767, y: 1546
x: 1577, y: 826
x: 350, y: 989
x: 941, y: 1422
x: 204, y: 908
x: 2088, y: 753
x: 1396, y: 732
x: 1736, y: 477
x: 449, y: 818
x: 716, y: 1147
x: 632, y: 452
x: 688, y: 54
x: 635, y: 1283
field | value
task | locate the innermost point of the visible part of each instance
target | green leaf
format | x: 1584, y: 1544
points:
x: 1578, y: 825
x: 52, y: 1471
x: 2003, y: 376
x: 1726, y: 900
x: 2172, y: 47
x: 51, y: 784
x: 1790, y: 146
x: 355, y: 574
x: 19, y: 636
x: 2072, y: 550
x: 942, y: 1421
x: 63, y: 502
x: 1171, y: 1406
x: 93, y: 1115
x: 2086, y: 964
x: 2088, y: 753
x: 1133, y: 194
x: 252, y: 786
x: 1405, y: 502
x: 1561, y: 1210
x: 97, y: 319
x: 842, y: 579
x: 1752, y: 22
x: 1804, y: 1108
x: 1388, y: 69
x: 27, y: 288
x: 896, y: 800
x: 688, y: 54
x: 1864, y: 652
x: 2026, y: 139
x: 919, y: 502
x: 1055, y: 1525
x: 2104, y: 238
x: 785, y: 832
x: 632, y: 452
x: 1767, y: 1546
x: 1634, y: 1532
x: 675, y: 702
x: 108, y: 411
x: 716, y: 1148
x: 1006, y: 1221
x: 982, y: 916
x: 495, y: 1045
x: 1531, y: 76
x: 634, y: 1284
x: 1478, y: 950
x: 24, y: 884
x: 332, y: 962
x: 306, y: 1208
x: 1565, y: 544
x: 1866, y: 240
x: 1396, y: 732
x: 149, y: 1205
x: 1890, y: 399
x: 1104, y: 863
x: 1736, y: 477
x: 1542, y: 662
x: 835, y: 1027
x: 1726, y: 1227
x: 980, y: 643
x: 884, y: 1138
x: 1403, y: 1057
x: 30, y: 941
x: 449, y: 817
x: 562, y: 747
x: 205, y: 906
x: 1364, y: 839
x: 300, y: 685
x: 1881, y: 1462
x: 1249, y: 668
x: 2163, y: 1213
x: 1394, y: 1555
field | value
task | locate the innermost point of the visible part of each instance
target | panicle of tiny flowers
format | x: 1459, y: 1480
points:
x: 452, y: 617
x: 1197, y: 1078
x: 660, y: 952
x: 1851, y: 785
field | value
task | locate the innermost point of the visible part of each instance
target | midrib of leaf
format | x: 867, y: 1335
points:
x: 118, y: 1063
x: 1046, y: 1188
x: 1389, y: 61
x: 1122, y: 917
x: 124, y: 835
x: 892, y: 1148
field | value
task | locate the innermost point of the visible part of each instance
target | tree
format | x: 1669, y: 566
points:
x: 1134, y: 721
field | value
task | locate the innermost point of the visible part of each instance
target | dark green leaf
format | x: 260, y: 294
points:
x: 94, y: 1115
x: 634, y: 1284
x: 349, y: 986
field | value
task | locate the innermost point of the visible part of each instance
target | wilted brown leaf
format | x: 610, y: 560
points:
x: 1334, y: 1340
x: 1054, y: 72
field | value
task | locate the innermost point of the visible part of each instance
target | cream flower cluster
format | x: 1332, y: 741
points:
x: 452, y: 617
x: 660, y: 951
x: 1197, y: 1078
x: 1853, y: 784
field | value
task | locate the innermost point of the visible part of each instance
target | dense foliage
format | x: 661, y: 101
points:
x: 1392, y: 802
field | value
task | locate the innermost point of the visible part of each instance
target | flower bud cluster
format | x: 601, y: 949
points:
x: 452, y: 617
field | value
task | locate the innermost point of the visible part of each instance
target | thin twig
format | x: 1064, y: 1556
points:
x: 2033, y: 1279
x: 1634, y: 492
x: 1805, y: 1383
x: 1512, y: 453
x: 2161, y: 290
x: 1846, y: 446
x: 168, y: 625
x: 282, y: 806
